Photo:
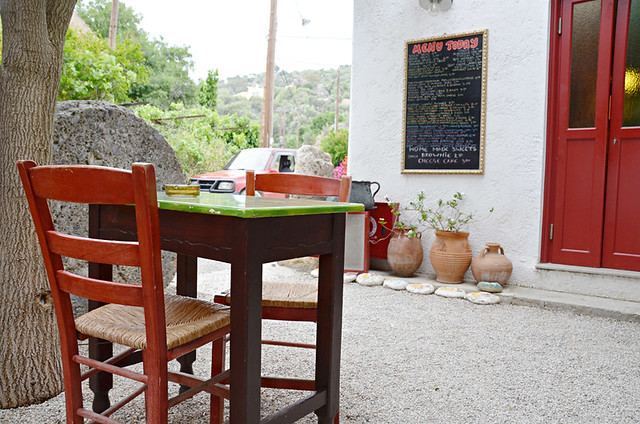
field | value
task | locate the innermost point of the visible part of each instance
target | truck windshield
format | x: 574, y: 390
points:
x: 249, y: 159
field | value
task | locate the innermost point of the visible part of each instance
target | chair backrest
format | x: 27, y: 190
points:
x: 98, y: 185
x: 303, y: 185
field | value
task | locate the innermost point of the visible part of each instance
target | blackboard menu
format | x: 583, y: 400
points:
x: 444, y: 109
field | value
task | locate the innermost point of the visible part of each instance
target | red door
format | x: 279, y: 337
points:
x: 592, y: 191
x: 621, y: 248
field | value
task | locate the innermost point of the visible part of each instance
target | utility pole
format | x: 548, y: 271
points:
x: 266, y: 128
x: 283, y: 122
x: 338, y: 100
x: 113, y: 25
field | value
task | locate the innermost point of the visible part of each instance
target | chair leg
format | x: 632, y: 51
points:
x: 217, y: 366
x: 157, y: 393
x: 72, y: 391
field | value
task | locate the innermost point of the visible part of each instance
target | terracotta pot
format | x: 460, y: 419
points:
x: 450, y: 256
x: 404, y: 254
x: 491, y: 265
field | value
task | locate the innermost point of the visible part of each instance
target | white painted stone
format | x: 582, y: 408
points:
x: 369, y: 279
x: 424, y: 288
x: 349, y: 277
x: 395, y: 283
x: 482, y: 298
x: 453, y: 292
x: 489, y: 286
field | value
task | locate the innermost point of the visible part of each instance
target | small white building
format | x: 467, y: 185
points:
x: 560, y: 130
x: 252, y: 91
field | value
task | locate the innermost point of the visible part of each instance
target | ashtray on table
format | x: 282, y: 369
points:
x: 182, y: 190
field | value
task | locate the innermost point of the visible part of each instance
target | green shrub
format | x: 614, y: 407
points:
x: 92, y: 71
x: 336, y: 145
x: 203, y: 140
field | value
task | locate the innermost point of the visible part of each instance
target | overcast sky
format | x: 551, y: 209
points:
x: 231, y: 35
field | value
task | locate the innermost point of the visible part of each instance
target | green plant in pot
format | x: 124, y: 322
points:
x: 450, y: 252
x: 405, y: 253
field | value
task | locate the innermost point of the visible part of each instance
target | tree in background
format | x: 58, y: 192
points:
x: 169, y: 66
x: 208, y: 95
x: 304, y: 104
x: 336, y: 145
x: 32, y: 49
x: 91, y: 70
x: 229, y: 104
x: 97, y: 15
x: 169, y: 80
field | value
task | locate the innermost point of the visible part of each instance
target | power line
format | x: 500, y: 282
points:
x: 281, y: 61
x: 316, y: 38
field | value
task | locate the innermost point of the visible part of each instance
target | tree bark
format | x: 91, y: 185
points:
x: 33, y: 40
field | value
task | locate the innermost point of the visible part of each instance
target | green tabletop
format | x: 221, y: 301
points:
x: 250, y: 206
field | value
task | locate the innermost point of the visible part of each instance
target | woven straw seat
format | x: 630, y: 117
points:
x: 186, y: 319
x: 287, y: 295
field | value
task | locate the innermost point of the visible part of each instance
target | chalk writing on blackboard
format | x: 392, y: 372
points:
x: 444, y: 106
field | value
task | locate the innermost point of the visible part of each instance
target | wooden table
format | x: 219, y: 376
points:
x: 246, y: 232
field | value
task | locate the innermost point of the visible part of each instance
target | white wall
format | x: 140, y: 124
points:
x: 518, y: 44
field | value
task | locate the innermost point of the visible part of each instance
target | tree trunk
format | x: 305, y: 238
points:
x: 113, y: 25
x: 33, y: 40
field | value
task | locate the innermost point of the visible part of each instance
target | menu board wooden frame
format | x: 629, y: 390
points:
x: 445, y: 104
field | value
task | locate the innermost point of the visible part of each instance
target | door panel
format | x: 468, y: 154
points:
x: 577, y: 191
x: 621, y: 238
x: 580, y: 134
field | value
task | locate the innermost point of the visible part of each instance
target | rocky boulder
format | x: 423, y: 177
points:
x: 313, y: 161
x: 101, y: 133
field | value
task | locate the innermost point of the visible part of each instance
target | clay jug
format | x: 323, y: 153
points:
x: 450, y: 255
x: 491, y: 265
x: 404, y: 254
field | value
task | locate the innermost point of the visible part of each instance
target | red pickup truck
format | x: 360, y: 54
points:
x: 231, y: 178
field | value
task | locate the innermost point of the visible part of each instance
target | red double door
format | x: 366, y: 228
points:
x: 592, y: 181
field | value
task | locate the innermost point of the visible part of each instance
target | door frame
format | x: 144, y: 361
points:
x: 551, y: 149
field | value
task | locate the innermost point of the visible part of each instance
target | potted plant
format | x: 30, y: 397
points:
x: 450, y: 252
x: 405, y: 253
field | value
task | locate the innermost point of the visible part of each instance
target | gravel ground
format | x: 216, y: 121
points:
x: 415, y: 359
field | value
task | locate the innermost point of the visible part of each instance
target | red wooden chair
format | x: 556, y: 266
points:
x: 140, y: 317
x: 287, y: 301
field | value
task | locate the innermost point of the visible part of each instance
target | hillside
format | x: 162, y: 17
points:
x: 304, y: 106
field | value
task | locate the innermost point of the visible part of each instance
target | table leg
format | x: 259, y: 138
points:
x: 329, y: 336
x: 187, y: 285
x: 246, y: 332
x: 101, y: 383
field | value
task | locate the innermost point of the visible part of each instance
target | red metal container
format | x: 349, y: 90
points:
x: 378, y: 235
